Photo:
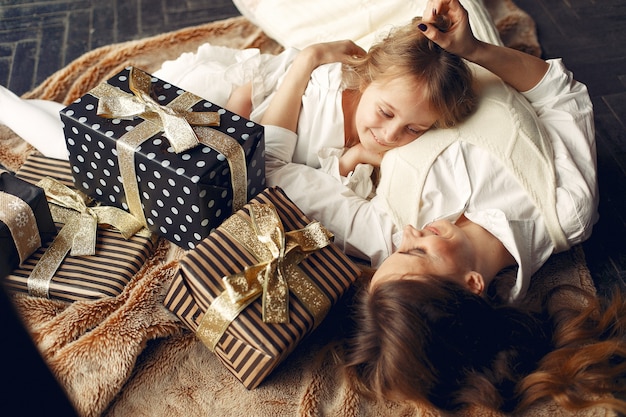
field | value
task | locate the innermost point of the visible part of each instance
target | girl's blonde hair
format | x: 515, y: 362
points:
x: 405, y: 51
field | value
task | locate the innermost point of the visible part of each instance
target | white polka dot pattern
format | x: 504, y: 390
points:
x: 184, y: 196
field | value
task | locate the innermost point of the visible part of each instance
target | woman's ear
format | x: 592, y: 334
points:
x: 475, y: 282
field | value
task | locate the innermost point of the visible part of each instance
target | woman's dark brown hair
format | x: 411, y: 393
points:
x: 433, y: 341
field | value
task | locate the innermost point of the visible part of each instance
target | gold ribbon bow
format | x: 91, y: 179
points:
x: 276, y: 274
x: 175, y: 121
x: 79, y: 233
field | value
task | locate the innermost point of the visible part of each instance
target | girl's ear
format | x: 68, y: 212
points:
x: 475, y: 282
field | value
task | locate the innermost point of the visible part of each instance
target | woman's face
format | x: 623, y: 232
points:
x: 392, y: 113
x: 441, y: 249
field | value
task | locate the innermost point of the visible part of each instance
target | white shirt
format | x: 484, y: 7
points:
x: 465, y: 178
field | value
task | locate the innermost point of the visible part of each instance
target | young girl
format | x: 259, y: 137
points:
x: 389, y: 96
x: 425, y: 330
x: 341, y: 107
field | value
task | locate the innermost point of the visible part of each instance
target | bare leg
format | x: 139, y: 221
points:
x: 240, y: 100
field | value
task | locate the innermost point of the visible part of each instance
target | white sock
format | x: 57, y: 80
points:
x: 36, y: 121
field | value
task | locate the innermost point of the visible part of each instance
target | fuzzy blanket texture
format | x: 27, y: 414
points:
x: 128, y: 355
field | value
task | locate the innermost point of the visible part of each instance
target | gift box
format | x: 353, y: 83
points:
x: 25, y: 221
x: 179, y: 163
x: 106, y: 272
x: 258, y: 284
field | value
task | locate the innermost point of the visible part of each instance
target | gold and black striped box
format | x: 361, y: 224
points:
x: 106, y: 273
x: 249, y: 346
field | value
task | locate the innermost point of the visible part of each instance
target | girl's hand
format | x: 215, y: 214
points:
x: 328, y: 52
x: 355, y: 155
x: 284, y: 108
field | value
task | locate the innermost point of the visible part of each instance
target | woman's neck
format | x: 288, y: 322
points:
x: 491, y: 255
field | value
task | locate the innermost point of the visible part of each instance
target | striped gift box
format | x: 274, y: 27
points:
x: 249, y: 347
x: 103, y: 274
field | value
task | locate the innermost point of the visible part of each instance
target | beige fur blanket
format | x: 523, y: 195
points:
x: 129, y: 356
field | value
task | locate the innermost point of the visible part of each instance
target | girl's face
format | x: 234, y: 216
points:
x: 392, y: 113
x: 441, y: 249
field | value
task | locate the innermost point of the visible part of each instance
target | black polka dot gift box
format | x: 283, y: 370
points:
x: 177, y: 162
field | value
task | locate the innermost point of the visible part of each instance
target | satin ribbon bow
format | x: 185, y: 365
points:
x: 268, y: 278
x: 78, y: 235
x: 175, y: 120
x: 87, y: 218
x: 272, y: 278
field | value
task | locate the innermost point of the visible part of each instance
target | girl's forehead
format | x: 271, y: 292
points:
x: 402, y: 92
x: 403, y: 81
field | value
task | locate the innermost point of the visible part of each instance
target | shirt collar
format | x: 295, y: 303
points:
x: 514, y: 235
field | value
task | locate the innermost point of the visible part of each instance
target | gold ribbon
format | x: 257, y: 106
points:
x: 19, y: 218
x: 176, y: 121
x: 79, y: 233
x: 276, y: 274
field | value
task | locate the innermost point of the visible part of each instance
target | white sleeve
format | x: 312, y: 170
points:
x: 361, y: 228
x: 280, y: 143
x: 565, y: 110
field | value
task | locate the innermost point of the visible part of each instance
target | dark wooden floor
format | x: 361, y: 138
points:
x: 37, y: 38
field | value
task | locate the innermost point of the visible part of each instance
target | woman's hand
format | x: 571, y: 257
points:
x: 520, y: 70
x: 446, y: 23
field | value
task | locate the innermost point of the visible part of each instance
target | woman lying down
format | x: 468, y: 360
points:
x: 468, y: 188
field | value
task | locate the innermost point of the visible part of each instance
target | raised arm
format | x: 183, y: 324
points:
x: 518, y: 69
x: 284, y: 109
